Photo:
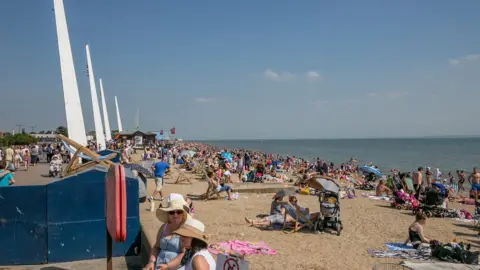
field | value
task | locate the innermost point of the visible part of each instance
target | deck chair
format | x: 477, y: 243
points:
x: 182, y: 178
x: 89, y: 158
x: 409, y: 183
x: 300, y: 220
x: 211, y: 190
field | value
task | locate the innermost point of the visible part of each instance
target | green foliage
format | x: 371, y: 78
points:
x: 17, y: 139
x: 62, y: 130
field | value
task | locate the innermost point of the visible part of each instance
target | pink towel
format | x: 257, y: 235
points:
x: 238, y: 247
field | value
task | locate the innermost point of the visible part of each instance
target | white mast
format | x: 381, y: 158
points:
x: 137, y: 119
x: 108, y: 133
x: 119, y: 120
x: 73, y: 107
x: 97, y: 118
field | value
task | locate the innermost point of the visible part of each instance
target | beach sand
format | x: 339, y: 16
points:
x: 367, y: 224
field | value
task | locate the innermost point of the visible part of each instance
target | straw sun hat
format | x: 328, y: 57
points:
x: 193, y: 228
x: 177, y: 204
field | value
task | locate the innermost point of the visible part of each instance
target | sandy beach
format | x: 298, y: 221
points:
x: 367, y: 224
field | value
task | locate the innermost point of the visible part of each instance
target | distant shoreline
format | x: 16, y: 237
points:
x: 330, y: 139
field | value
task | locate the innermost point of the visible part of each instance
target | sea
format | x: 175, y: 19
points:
x: 447, y: 154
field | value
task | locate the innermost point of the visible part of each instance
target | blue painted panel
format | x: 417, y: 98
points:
x: 76, y: 217
x: 22, y: 225
x: 77, y: 198
x: 107, y: 152
x: 87, y: 240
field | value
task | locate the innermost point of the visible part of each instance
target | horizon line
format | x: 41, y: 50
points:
x: 342, y: 138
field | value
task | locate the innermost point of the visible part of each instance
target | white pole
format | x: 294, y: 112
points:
x: 97, y: 118
x: 73, y: 107
x: 108, y: 133
x: 119, y: 120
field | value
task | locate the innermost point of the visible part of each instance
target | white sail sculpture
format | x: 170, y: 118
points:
x: 108, y: 133
x: 119, y: 120
x: 73, y: 107
x: 97, y: 118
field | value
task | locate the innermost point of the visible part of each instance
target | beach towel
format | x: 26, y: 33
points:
x: 418, y: 255
x: 373, y: 197
x: 239, y: 247
x: 438, y: 266
x: 409, y: 183
x: 398, y: 246
x: 463, y: 220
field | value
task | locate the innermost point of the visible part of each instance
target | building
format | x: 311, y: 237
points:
x: 45, y: 138
x: 140, y: 139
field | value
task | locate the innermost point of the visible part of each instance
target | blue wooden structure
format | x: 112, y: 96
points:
x: 107, y: 152
x: 63, y: 221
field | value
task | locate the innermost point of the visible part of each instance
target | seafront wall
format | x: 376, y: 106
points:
x: 63, y: 221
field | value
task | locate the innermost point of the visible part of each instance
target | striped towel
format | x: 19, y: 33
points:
x: 398, y: 246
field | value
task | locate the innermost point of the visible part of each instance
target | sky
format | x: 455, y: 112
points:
x: 249, y: 69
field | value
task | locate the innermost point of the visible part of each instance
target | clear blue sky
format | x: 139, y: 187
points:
x: 250, y: 68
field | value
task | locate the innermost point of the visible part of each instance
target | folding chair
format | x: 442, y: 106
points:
x: 300, y: 219
x: 182, y: 178
x: 89, y: 158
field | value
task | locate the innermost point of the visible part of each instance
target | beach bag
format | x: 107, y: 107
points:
x: 305, y: 191
x: 455, y: 254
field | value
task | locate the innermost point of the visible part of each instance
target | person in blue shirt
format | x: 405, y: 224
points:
x: 159, y: 169
x: 6, y: 177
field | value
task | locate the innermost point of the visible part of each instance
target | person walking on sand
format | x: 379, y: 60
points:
x: 461, y: 180
x: 417, y: 182
x: 159, y: 168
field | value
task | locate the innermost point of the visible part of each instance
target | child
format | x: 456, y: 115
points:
x: 6, y: 177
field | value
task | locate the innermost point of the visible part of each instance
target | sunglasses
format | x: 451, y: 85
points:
x: 178, y: 212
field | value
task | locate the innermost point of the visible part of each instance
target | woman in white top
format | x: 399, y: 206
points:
x: 194, y: 241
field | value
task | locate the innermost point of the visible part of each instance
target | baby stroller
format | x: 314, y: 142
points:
x: 55, y: 166
x: 433, y: 204
x: 401, y: 199
x: 329, y: 199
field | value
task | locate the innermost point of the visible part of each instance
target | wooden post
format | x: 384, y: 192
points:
x: 109, y: 250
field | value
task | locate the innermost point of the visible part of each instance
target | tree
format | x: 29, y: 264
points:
x: 17, y: 139
x: 62, y: 130
x: 41, y: 132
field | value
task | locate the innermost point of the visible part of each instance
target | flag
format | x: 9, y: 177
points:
x: 172, y: 131
x: 161, y: 132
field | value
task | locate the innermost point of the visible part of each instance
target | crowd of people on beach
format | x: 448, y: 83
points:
x: 181, y: 239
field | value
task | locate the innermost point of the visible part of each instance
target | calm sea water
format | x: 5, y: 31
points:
x: 448, y: 154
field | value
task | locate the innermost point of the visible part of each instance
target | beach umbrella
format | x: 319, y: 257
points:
x: 188, y: 153
x: 147, y: 172
x: 369, y: 169
x: 284, y: 193
x: 227, y: 156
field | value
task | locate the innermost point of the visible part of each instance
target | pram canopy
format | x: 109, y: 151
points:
x: 325, y: 184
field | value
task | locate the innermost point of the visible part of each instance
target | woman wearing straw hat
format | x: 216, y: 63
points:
x: 194, y: 241
x: 167, y: 252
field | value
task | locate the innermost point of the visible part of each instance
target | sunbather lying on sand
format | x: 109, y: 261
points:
x: 277, y: 214
x: 275, y: 217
